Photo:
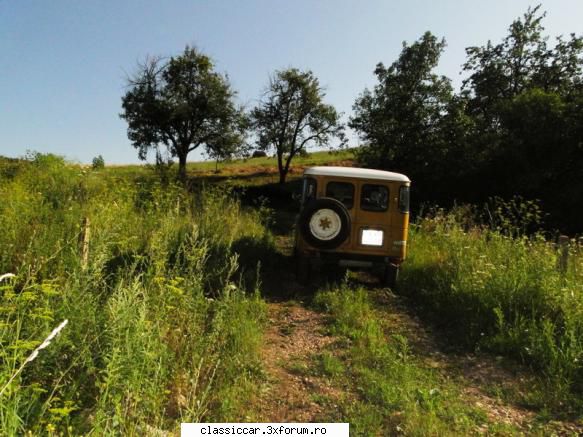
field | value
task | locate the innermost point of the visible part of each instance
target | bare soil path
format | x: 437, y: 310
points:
x: 297, y: 334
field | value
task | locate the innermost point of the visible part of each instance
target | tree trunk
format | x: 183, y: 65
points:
x: 282, y: 175
x: 282, y: 172
x: 182, y: 167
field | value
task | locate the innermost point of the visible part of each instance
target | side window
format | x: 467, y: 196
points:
x: 341, y: 191
x: 309, y: 190
x: 374, y: 198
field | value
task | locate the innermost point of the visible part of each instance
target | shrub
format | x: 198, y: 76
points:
x: 98, y: 163
x: 146, y: 346
x: 502, y: 293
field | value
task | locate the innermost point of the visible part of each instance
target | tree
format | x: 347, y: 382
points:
x: 525, y: 98
x: 98, y: 163
x: 521, y: 62
x: 522, y: 95
x: 182, y: 104
x: 292, y: 117
x: 410, y: 121
x: 232, y: 145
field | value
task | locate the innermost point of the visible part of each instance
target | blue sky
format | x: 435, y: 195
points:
x: 63, y: 63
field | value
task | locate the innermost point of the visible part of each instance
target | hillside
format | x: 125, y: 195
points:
x: 183, y: 306
x: 256, y: 170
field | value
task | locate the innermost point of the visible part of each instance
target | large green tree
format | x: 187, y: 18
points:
x: 292, y: 117
x: 524, y: 60
x: 411, y: 121
x: 181, y: 103
x: 525, y: 97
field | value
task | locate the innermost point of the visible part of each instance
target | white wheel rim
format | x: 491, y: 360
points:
x: 325, y: 224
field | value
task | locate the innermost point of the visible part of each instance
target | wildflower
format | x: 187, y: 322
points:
x: 47, y: 341
x: 34, y: 353
x: 7, y: 276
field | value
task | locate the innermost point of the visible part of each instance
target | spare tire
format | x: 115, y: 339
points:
x: 324, y: 223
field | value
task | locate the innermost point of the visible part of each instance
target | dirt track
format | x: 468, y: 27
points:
x: 294, y: 336
x: 297, y: 334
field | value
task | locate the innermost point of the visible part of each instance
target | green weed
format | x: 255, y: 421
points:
x: 161, y: 330
x: 503, y: 291
x: 395, y: 395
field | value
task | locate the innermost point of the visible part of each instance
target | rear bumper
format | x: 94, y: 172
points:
x: 350, y: 259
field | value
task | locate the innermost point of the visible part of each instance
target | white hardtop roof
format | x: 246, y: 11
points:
x: 353, y: 172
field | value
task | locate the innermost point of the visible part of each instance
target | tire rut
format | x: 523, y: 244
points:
x: 294, y: 336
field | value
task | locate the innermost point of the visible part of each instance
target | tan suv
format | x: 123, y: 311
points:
x: 354, y: 217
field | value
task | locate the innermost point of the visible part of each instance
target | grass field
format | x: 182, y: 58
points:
x: 257, y: 170
x: 160, y: 330
x: 169, y: 295
x: 509, y: 295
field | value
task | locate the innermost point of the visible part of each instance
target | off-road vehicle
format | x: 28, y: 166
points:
x: 354, y: 217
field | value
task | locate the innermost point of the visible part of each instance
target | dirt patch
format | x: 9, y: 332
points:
x: 294, y: 336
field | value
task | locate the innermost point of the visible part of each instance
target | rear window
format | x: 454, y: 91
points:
x: 341, y: 191
x: 374, y: 198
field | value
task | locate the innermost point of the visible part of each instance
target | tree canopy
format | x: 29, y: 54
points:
x: 292, y: 117
x: 514, y: 128
x: 525, y: 96
x: 411, y: 119
x: 181, y: 103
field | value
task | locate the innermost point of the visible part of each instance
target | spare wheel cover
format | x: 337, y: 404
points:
x: 325, y: 223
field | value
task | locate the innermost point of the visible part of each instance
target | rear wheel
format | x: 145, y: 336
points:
x: 390, y: 275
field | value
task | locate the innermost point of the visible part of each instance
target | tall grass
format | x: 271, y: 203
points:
x: 395, y: 393
x: 503, y: 291
x: 160, y: 328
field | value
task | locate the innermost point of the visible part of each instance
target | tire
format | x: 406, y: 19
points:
x: 324, y: 223
x: 303, y: 269
x: 390, y: 276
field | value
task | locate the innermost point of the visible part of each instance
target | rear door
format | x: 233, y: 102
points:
x: 372, y: 220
